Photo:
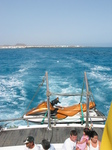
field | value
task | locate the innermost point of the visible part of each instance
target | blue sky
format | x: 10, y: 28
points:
x: 56, y: 22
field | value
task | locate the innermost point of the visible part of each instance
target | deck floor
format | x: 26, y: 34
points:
x: 56, y: 135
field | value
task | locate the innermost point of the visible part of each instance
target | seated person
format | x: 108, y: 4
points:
x: 93, y: 143
x: 30, y: 144
x: 70, y: 143
x: 46, y: 145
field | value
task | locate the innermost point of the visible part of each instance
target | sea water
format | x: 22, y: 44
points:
x: 22, y: 72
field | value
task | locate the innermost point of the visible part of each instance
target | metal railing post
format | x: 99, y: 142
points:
x: 87, y: 98
x: 48, y: 102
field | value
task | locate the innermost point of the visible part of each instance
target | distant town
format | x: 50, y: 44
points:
x: 32, y: 46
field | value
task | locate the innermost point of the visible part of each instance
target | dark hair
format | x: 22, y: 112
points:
x: 73, y: 132
x: 93, y: 133
x: 45, y: 144
x: 87, y: 131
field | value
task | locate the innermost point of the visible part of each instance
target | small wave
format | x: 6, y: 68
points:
x: 21, y: 98
x: 101, y: 68
x: 14, y: 103
x: 103, y: 83
x: 83, y: 63
x: 100, y: 76
x: 12, y: 90
x: 22, y: 70
x: 95, y: 75
x: 98, y: 95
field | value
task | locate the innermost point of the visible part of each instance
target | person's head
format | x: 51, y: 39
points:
x: 94, y: 136
x: 86, y: 131
x: 73, y: 135
x: 29, y: 142
x: 45, y: 144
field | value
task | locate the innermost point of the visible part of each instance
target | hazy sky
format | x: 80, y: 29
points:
x: 56, y: 22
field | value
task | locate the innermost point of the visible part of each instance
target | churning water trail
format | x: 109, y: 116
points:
x: 22, y: 70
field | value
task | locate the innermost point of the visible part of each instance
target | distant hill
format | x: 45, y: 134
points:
x: 20, y: 44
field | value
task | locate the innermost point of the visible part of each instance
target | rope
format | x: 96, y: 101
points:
x: 14, y: 119
x: 82, y: 92
x: 82, y: 117
x: 44, y: 117
x: 41, y: 84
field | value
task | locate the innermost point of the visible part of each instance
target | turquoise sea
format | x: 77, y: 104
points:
x: 22, y: 70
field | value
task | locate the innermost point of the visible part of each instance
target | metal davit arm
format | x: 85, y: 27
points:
x: 48, y: 103
x: 87, y: 97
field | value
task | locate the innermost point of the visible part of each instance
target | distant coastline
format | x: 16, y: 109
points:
x: 34, y: 46
x: 43, y: 46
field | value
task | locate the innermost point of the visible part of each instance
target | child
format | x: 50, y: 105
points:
x: 81, y: 145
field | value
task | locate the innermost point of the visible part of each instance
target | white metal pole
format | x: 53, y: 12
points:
x: 87, y: 98
x: 48, y: 102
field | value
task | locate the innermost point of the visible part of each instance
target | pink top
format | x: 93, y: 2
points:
x: 83, y: 145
